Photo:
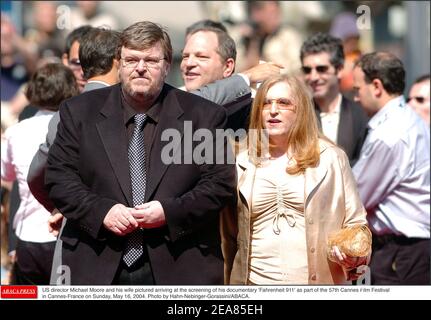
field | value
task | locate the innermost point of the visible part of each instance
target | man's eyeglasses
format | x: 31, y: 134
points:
x: 418, y: 99
x: 133, y: 62
x: 319, y: 69
x: 74, y: 63
x: 282, y: 104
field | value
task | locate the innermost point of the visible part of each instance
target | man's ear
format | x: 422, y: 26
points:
x: 229, y: 68
x: 377, y: 87
x: 340, y: 72
x: 115, y: 64
x: 167, y: 69
x: 65, y: 59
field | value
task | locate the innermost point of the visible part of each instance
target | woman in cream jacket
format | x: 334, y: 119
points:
x: 291, y: 197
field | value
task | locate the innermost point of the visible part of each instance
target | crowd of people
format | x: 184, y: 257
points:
x: 265, y: 168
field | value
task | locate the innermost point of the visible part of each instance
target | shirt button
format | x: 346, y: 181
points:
x: 310, y: 221
x: 313, y: 277
x: 312, y: 250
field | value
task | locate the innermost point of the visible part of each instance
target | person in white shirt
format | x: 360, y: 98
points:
x: 393, y: 174
x: 99, y: 59
x: 49, y: 85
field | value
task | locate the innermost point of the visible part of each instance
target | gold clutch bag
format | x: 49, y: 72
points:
x: 353, y: 241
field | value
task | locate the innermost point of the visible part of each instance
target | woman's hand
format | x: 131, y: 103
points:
x: 350, y: 264
x: 346, y: 261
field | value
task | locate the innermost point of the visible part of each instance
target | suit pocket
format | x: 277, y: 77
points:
x: 209, y: 243
x: 69, y: 236
x: 70, y: 241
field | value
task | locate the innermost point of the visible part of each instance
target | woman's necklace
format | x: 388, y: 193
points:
x: 283, y: 156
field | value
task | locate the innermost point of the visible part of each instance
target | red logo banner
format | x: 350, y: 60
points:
x: 18, y: 292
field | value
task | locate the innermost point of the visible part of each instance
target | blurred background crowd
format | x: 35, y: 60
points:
x: 34, y: 33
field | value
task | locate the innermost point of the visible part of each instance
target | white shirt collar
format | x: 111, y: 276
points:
x: 383, y: 114
x: 338, y: 106
x: 43, y: 112
x: 98, y: 81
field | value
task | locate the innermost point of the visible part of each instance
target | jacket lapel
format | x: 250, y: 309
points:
x: 246, y: 175
x: 318, y: 118
x: 113, y: 135
x: 344, y: 136
x: 314, y: 177
x: 170, y: 118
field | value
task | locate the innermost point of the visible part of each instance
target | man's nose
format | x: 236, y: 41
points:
x: 79, y: 73
x: 141, y: 67
x: 191, y: 61
x: 356, y: 98
x: 314, y: 75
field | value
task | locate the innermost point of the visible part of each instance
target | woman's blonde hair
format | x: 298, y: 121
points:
x: 303, y: 137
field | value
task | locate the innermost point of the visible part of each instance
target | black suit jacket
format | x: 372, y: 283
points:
x: 88, y: 173
x: 351, y: 128
x: 238, y: 112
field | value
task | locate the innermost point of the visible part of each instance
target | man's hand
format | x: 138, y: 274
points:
x: 54, y: 222
x: 263, y: 71
x: 119, y: 220
x: 149, y: 215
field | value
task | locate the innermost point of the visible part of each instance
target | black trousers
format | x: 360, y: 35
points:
x: 33, y: 263
x: 398, y: 260
x: 139, y: 273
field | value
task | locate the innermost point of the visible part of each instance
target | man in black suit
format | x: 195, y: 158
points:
x: 341, y: 120
x: 91, y: 179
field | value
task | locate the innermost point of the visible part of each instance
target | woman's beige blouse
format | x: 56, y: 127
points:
x: 278, y: 252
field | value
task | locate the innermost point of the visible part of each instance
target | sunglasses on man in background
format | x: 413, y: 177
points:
x: 319, y: 69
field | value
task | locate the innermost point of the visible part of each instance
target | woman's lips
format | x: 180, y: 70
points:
x: 273, y: 122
